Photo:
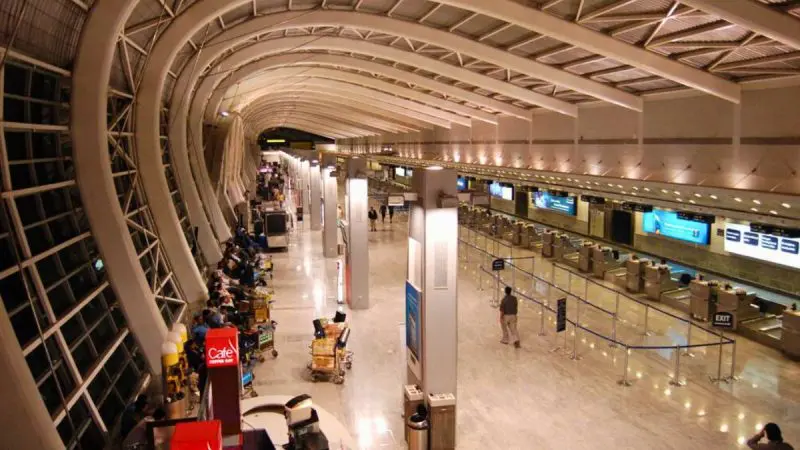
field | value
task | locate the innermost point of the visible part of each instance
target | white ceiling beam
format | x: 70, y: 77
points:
x: 334, y: 121
x: 758, y: 61
x: 689, y: 33
x: 754, y: 16
x: 497, y: 30
x: 371, y: 67
x: 430, y: 12
x: 345, y: 96
x: 311, y: 104
x: 373, y: 83
x: 571, y: 33
x: 327, y: 101
x: 461, y: 22
x: 604, y: 10
x: 282, y: 76
x: 290, y: 122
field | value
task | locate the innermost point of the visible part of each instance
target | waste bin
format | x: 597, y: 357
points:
x: 418, y: 427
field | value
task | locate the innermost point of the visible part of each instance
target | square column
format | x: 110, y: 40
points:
x: 431, y: 298
x: 330, y: 221
x: 357, y: 256
x: 315, y: 194
x: 304, y: 185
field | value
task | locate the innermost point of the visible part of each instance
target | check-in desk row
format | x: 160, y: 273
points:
x: 769, y: 323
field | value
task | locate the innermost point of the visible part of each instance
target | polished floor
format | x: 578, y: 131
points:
x: 537, y: 397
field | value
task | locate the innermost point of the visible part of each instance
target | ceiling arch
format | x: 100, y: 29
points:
x: 254, y: 82
x: 335, y: 103
x: 353, y: 63
x: 342, y: 116
x: 340, y: 125
x: 342, y: 96
x: 341, y: 81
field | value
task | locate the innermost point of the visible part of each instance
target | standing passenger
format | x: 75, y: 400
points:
x: 383, y: 213
x: 508, y: 318
x: 391, y: 213
x: 373, y: 217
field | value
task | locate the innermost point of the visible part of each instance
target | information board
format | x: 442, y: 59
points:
x: 498, y: 264
x: 740, y: 240
x: 565, y: 205
x: 413, y: 321
x: 668, y: 224
x: 561, y: 315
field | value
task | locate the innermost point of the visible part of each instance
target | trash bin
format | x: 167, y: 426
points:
x: 418, y: 427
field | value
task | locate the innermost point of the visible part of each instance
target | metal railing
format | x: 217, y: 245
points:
x: 541, y: 284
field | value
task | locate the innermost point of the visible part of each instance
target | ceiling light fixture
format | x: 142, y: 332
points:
x: 713, y: 197
x: 786, y: 205
x: 754, y: 209
x: 757, y: 202
x: 697, y: 195
x: 737, y: 199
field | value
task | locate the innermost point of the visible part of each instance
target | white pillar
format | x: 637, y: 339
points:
x: 330, y: 240
x: 304, y: 180
x: 357, y: 258
x: 315, y: 194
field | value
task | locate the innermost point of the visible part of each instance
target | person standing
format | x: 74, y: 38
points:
x: 373, y: 218
x: 508, y: 318
x: 774, y: 439
x: 391, y: 213
x: 383, y: 213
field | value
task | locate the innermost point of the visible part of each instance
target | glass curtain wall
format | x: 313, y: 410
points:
x: 53, y: 283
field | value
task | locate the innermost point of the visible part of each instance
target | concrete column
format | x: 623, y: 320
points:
x: 304, y: 186
x: 432, y: 272
x: 357, y: 257
x: 315, y: 188
x: 330, y: 239
x: 24, y: 414
x: 91, y: 71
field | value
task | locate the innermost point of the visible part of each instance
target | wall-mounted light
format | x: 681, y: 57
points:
x: 224, y: 113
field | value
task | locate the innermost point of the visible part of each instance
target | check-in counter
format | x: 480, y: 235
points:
x: 737, y: 302
x: 790, y: 338
x: 634, y: 274
x: 700, y: 298
x: 548, y: 242
x: 562, y: 246
x: 535, y: 238
x: 657, y: 279
x: 603, y: 260
x: 585, y: 256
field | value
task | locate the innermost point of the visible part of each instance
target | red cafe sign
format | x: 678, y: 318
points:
x: 222, y: 347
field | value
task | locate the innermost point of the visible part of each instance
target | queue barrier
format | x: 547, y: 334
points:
x: 526, y: 266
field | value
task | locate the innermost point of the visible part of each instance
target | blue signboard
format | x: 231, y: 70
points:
x: 750, y: 238
x: 667, y: 223
x: 565, y: 205
x: 769, y: 242
x: 500, y: 191
x: 413, y: 321
x: 788, y: 246
x: 461, y: 184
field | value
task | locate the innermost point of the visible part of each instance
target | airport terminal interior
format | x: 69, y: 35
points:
x: 391, y: 224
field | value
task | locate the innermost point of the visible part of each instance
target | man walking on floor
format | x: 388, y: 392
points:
x: 508, y: 318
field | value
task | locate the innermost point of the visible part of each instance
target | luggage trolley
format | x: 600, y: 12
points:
x: 329, y: 355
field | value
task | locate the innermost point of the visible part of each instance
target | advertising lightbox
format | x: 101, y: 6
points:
x: 565, y: 205
x: 668, y: 224
x: 740, y: 240
x: 400, y: 171
x: 222, y: 347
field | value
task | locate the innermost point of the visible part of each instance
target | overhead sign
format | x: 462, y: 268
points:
x: 498, y: 264
x: 638, y: 207
x: 775, y: 230
x: 563, y: 204
x: 413, y: 329
x: 741, y: 240
x: 593, y: 200
x: 222, y: 347
x: 695, y: 217
x: 396, y: 200
x: 722, y: 320
x: 561, y: 315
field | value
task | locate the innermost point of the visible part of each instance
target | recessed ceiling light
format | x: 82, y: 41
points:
x: 635, y: 188
x: 619, y: 186
x: 757, y: 202
x: 692, y: 202
x: 772, y: 211
x: 697, y: 195
x: 663, y: 191
x: 610, y: 185
x: 679, y: 199
x: 786, y: 205
x: 676, y: 192
x: 737, y: 199
x: 624, y: 193
x: 713, y: 197
x: 647, y: 189
x: 754, y: 209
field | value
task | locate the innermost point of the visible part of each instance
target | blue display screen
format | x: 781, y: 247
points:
x: 667, y: 223
x: 461, y: 184
x: 498, y: 190
x: 565, y: 205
